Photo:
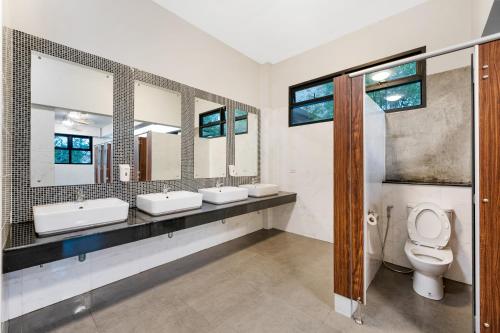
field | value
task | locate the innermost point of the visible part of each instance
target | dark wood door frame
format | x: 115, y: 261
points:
x: 348, y: 188
x: 489, y: 186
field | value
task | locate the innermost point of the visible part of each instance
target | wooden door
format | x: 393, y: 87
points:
x: 143, y: 160
x: 348, y: 175
x: 489, y: 185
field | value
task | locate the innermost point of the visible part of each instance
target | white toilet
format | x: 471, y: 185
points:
x: 429, y: 231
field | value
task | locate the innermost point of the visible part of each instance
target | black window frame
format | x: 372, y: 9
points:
x: 322, y: 99
x: 71, y: 148
x: 420, y: 76
x: 221, y: 122
x: 240, y: 118
x: 330, y: 77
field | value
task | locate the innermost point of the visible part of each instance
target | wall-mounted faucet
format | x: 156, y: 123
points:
x: 80, y: 197
x: 166, y: 189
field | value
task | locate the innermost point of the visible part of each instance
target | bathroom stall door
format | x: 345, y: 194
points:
x: 489, y: 185
x: 348, y: 177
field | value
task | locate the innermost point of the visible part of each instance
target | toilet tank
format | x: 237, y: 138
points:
x: 449, y: 212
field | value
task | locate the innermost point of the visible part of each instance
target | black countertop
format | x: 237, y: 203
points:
x: 24, y: 249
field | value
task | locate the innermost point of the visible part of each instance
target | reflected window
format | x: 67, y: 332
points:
x: 398, y: 88
x: 72, y: 149
x: 311, y: 103
x: 240, y: 122
x: 213, y: 123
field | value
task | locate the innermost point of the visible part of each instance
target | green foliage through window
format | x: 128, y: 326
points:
x: 213, y: 123
x: 398, y: 88
x: 72, y: 149
x: 312, y: 103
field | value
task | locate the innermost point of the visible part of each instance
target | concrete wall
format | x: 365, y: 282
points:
x: 433, y: 144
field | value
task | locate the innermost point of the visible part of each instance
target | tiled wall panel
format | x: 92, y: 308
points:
x: 24, y: 197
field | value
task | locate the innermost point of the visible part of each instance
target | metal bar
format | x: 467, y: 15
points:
x: 428, y: 55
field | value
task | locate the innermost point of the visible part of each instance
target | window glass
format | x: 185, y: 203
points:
x: 394, y: 73
x: 312, y: 113
x: 398, y: 97
x: 211, y: 131
x: 81, y: 157
x: 322, y: 90
x: 61, y: 156
x: 61, y: 141
x: 241, y: 126
x: 81, y: 143
x: 210, y: 118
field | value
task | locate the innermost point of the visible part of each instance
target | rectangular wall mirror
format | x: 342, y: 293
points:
x: 157, y: 133
x: 210, y: 130
x: 246, y: 130
x: 71, y: 123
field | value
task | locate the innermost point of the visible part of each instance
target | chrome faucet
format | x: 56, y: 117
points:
x: 80, y: 198
x: 219, y: 184
x: 254, y: 181
x: 166, y: 189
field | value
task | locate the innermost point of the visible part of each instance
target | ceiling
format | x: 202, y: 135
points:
x: 270, y: 31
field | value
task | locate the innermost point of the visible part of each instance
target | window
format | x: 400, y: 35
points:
x: 240, y: 122
x: 72, y: 149
x: 398, y: 88
x: 213, y: 123
x: 311, y: 102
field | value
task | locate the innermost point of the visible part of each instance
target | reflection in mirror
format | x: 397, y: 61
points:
x: 71, y: 123
x: 209, y: 139
x: 246, y: 130
x: 157, y: 133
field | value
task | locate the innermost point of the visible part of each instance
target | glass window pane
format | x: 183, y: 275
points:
x: 240, y: 113
x: 394, y: 73
x: 61, y: 141
x: 210, y: 132
x: 61, y: 156
x: 81, y: 157
x: 210, y: 118
x: 325, y: 89
x: 241, y: 126
x: 403, y: 96
x: 81, y: 143
x: 312, y: 112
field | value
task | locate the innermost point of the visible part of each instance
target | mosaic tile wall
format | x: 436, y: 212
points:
x: 24, y: 196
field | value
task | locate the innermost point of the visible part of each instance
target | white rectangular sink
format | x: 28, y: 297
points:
x: 171, y: 202
x: 261, y: 190
x: 224, y: 194
x: 70, y: 216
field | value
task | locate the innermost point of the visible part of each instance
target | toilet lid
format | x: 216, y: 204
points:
x: 429, y: 225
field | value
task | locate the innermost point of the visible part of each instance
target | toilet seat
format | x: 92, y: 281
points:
x: 428, y: 255
x: 428, y: 225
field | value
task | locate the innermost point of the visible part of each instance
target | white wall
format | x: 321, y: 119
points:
x: 480, y: 12
x: 141, y: 34
x: 374, y: 161
x: 459, y: 199
x: 300, y: 158
x: 36, y: 287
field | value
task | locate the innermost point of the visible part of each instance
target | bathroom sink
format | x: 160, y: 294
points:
x: 69, y: 216
x: 261, y: 190
x: 224, y: 194
x: 171, y: 202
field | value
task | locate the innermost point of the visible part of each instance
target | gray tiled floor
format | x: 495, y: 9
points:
x: 268, y: 281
